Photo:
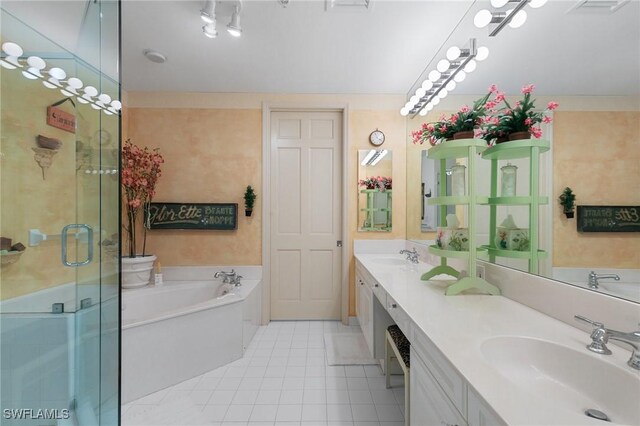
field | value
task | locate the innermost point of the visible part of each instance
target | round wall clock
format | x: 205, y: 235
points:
x: 376, y: 137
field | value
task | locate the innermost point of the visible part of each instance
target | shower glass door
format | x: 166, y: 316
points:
x: 59, y: 213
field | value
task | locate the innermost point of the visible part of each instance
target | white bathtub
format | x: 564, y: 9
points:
x: 184, y: 328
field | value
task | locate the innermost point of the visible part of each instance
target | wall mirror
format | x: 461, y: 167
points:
x: 594, y: 141
x: 375, y: 190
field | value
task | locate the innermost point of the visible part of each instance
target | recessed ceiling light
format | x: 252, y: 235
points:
x: 154, y: 56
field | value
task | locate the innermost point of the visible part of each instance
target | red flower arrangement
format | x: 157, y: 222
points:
x: 140, y: 173
x: 381, y: 183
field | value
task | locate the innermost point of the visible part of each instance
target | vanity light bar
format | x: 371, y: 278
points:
x: 444, y: 78
x: 514, y: 17
x: 35, y: 68
x: 373, y: 157
x: 379, y: 157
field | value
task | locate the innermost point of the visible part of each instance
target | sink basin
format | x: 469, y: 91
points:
x: 391, y: 261
x: 629, y: 291
x: 573, y: 379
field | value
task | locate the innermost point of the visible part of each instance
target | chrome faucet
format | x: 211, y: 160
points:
x: 593, y: 278
x: 412, y: 256
x: 601, y: 335
x: 229, y: 277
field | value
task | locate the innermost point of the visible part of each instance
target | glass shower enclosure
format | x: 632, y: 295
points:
x: 59, y: 212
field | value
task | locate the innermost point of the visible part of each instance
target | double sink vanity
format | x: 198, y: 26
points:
x: 489, y: 360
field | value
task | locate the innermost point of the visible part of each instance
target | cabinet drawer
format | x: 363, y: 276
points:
x: 447, y: 377
x: 399, y: 316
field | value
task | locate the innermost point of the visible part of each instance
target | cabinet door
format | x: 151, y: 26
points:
x: 429, y: 404
x: 359, y: 285
x: 367, y: 315
x: 480, y: 414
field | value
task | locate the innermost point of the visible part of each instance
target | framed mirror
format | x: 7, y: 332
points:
x: 595, y: 148
x: 375, y: 190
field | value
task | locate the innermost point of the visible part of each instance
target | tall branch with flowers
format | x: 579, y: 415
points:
x: 522, y: 117
x: 140, y: 173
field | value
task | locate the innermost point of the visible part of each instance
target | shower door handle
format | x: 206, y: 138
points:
x: 65, y: 234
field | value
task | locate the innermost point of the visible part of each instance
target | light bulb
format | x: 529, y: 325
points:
x: 234, y: 27
x: 450, y: 85
x: 58, y: 73
x: 49, y: 84
x: 82, y: 99
x: 470, y: 67
x: 36, y: 62
x: 7, y: 65
x: 518, y: 20
x: 498, y: 3
x: 482, y: 53
x: 404, y: 111
x: 116, y: 104
x: 208, y: 13
x: 429, y: 107
x: 90, y: 91
x: 12, y: 49
x: 443, y: 65
x: 421, y: 92
x: 453, y: 53
x: 104, y: 98
x: 460, y: 76
x: 31, y: 73
x: 74, y: 83
x: 434, y: 75
x: 427, y: 84
x: 435, y: 101
x: 210, y: 30
x: 423, y: 112
x: 66, y: 92
x: 414, y: 99
x: 537, y: 3
x: 443, y: 93
x: 95, y: 106
x: 482, y: 18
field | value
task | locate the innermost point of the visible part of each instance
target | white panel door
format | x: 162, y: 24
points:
x: 305, y: 216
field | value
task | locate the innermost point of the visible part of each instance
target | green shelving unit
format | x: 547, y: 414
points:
x: 469, y: 149
x: 370, y: 210
x: 528, y: 148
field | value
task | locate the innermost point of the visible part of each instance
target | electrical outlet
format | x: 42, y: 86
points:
x: 480, y: 271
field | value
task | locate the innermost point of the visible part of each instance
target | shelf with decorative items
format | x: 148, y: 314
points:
x: 465, y: 246
x: 370, y: 211
x: 516, y: 243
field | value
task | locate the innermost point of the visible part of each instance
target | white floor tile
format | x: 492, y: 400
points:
x: 200, y: 397
x: 318, y: 382
x: 339, y: 412
x: 354, y: 371
x: 335, y: 371
x: 259, y: 361
x: 250, y: 383
x: 289, y: 413
x: 221, y: 397
x: 174, y: 394
x: 278, y: 361
x: 373, y: 370
x: 383, y: 396
x: 154, y: 398
x: 255, y: 371
x: 295, y: 372
x: 272, y: 383
x: 275, y: 371
x: 297, y: 361
x: 205, y: 383
x: 187, y: 384
x: 392, y: 423
x: 264, y: 413
x: 336, y: 382
x: 377, y: 382
x: 245, y: 397
x: 298, y: 352
x: 314, y: 413
x: 293, y: 383
x: 314, y: 396
x: 364, y: 413
x: 357, y: 383
x: 389, y: 413
x: 360, y: 397
x: 238, y: 413
x: 268, y: 397
x: 336, y: 396
x: 214, y: 413
x: 291, y: 396
x: 235, y: 372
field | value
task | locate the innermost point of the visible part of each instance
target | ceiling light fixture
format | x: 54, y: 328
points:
x: 234, y: 27
x: 210, y: 30
x: 515, y: 17
x: 12, y: 58
x: 439, y: 82
x: 208, y: 12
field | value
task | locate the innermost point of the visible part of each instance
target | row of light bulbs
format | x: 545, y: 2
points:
x: 208, y: 16
x: 485, y: 17
x: 35, y: 68
x: 448, y: 73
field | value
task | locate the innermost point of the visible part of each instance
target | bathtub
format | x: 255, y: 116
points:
x: 186, y: 327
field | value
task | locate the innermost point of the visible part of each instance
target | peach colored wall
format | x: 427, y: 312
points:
x: 211, y: 155
x: 597, y: 154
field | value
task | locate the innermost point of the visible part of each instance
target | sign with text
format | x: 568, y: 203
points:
x: 193, y: 216
x: 608, y: 218
x: 61, y: 119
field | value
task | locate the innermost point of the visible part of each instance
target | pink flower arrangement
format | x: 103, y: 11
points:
x: 381, y: 183
x: 140, y: 173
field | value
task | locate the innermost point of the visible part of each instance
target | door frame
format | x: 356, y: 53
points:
x: 267, y: 109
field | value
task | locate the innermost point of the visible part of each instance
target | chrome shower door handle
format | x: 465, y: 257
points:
x: 63, y: 239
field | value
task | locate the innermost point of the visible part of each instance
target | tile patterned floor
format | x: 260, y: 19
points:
x: 283, y: 379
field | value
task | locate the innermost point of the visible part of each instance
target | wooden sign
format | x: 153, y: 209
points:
x: 61, y: 119
x: 194, y: 216
x: 608, y: 219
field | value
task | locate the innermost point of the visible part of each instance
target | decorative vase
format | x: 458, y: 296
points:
x: 136, y: 271
x: 569, y: 215
x: 247, y: 212
x: 502, y: 139
x: 467, y: 134
x: 519, y: 135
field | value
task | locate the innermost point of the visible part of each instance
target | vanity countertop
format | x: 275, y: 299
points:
x: 459, y: 325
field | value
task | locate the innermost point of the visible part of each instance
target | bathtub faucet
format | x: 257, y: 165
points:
x: 229, y: 277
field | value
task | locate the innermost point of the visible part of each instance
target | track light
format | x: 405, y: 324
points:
x: 210, y: 30
x: 234, y: 27
x: 208, y: 12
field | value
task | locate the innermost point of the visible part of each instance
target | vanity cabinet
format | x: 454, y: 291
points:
x: 364, y: 310
x: 480, y: 414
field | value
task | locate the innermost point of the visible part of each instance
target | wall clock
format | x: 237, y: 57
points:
x: 376, y: 137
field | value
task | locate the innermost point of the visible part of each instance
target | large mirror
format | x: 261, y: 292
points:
x: 375, y: 190
x: 567, y: 53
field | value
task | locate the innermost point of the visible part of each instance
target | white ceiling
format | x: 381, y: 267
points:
x: 305, y: 49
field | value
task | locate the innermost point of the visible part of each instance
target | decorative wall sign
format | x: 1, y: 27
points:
x: 61, y: 119
x: 608, y: 219
x: 220, y: 216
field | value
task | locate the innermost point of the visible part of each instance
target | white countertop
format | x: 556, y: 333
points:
x: 458, y: 325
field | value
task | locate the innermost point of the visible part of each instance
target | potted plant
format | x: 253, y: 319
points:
x: 567, y: 200
x: 434, y: 132
x: 520, y: 121
x: 140, y: 173
x: 249, y: 200
x: 467, y: 120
